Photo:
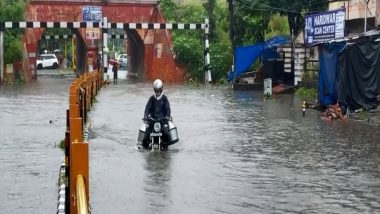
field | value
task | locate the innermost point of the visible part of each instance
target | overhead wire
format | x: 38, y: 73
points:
x: 257, y: 5
x: 297, y: 6
x: 303, y: 3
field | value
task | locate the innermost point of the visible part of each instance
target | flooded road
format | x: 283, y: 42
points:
x: 32, y: 123
x: 236, y: 154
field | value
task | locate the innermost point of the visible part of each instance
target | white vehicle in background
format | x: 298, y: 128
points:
x: 122, y: 59
x: 47, y: 61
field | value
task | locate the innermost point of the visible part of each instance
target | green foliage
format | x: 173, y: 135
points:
x: 188, y: 45
x: 250, y: 24
x: 222, y: 29
x: 363, y: 114
x: 57, y: 31
x: 311, y: 72
x: 221, y: 60
x: 307, y: 92
x: 253, y: 18
x: 13, y: 49
x: 61, y: 144
x: 169, y: 9
x: 12, y: 11
x: 191, y: 13
x: 254, y: 21
x: 278, y: 25
x: 189, y: 51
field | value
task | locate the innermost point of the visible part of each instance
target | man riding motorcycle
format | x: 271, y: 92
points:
x: 158, y: 107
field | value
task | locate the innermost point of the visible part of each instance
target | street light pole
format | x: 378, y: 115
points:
x: 232, y: 33
x: 1, y: 57
x: 365, y: 15
x: 232, y: 21
x: 105, y: 46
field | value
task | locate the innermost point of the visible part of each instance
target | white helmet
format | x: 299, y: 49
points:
x: 157, y: 85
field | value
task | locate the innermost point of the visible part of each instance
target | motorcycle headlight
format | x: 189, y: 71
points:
x: 157, y: 127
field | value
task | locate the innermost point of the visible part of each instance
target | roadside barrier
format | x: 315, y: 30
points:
x: 82, y: 93
x: 81, y: 195
x: 303, y: 108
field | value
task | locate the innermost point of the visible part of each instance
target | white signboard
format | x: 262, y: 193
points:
x: 268, y: 87
x: 326, y: 26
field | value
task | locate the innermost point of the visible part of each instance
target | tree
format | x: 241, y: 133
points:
x: 189, y: 44
x: 169, y: 9
x: 295, y: 10
x: 254, y: 16
x: 12, y: 10
x: 278, y: 25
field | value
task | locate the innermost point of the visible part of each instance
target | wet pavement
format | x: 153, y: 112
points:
x: 236, y: 154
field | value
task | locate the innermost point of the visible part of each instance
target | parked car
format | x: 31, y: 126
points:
x: 122, y: 59
x: 47, y: 61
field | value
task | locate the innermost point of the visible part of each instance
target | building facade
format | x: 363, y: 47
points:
x: 356, y: 14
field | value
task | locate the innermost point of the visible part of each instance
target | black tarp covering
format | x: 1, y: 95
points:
x: 359, y: 75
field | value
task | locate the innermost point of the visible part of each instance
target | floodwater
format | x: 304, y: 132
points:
x: 32, y: 123
x: 236, y: 154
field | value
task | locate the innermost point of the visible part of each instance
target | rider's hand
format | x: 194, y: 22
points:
x: 145, y: 118
x: 166, y: 118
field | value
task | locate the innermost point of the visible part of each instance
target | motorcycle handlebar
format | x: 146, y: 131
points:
x: 157, y: 119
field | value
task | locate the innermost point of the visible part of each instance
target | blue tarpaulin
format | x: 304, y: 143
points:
x: 270, y: 53
x: 245, y: 56
x: 328, y: 63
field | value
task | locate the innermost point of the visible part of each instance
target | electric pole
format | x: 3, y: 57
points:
x: 1, y: 56
x: 365, y: 15
x: 232, y: 33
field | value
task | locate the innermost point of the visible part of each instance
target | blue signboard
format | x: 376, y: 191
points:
x: 92, y: 14
x: 323, y: 27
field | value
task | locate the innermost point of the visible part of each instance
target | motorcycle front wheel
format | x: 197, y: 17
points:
x: 164, y: 148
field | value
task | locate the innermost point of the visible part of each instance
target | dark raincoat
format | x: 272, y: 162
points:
x: 157, y: 109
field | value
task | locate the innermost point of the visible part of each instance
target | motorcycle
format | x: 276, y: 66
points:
x: 157, y: 139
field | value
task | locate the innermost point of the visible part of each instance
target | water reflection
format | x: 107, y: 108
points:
x: 157, y: 180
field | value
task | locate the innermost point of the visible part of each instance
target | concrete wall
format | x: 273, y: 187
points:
x: 355, y: 9
x: 355, y: 14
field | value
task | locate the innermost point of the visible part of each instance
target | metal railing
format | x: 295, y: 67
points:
x: 82, y: 204
x: 82, y: 93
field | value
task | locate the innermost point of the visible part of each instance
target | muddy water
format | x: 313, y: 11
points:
x: 236, y: 154
x: 32, y: 122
